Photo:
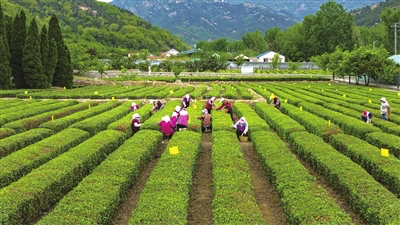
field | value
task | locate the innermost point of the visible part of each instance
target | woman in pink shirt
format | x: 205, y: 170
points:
x: 175, y: 115
x: 182, y: 119
x: 166, y: 126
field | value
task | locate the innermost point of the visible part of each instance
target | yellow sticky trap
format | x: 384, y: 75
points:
x: 322, y: 90
x: 174, y: 150
x: 370, y: 89
x: 126, y: 87
x: 310, y: 75
x: 259, y: 86
x: 385, y: 152
x: 344, y: 95
x: 301, y: 108
x: 96, y: 92
x: 65, y: 87
x: 115, y: 84
x: 106, y: 76
x: 116, y: 76
x: 30, y: 97
x: 309, y: 86
x: 194, y: 106
x: 113, y: 98
x: 241, y: 81
x: 265, y: 89
x: 398, y: 94
x: 171, y: 91
x: 221, y: 77
x: 286, y: 100
x: 272, y: 96
x: 26, y: 92
x: 52, y: 117
x: 369, y: 101
x: 329, y: 84
x: 266, y: 76
x: 89, y: 106
x: 329, y: 122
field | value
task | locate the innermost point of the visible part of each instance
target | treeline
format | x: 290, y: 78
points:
x: 33, y: 59
x: 321, y: 33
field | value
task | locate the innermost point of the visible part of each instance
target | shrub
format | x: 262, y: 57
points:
x: 221, y: 121
x: 382, y: 140
x: 6, y: 132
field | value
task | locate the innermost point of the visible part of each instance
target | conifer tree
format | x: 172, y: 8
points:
x: 31, y: 60
x: 63, y: 75
x: 18, y: 36
x: 44, y: 52
x: 52, y: 60
x: 5, y: 70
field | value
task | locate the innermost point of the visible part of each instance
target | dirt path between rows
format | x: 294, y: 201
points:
x: 132, y: 198
x: 266, y: 197
x: 202, y: 191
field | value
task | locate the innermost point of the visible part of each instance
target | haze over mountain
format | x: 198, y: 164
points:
x: 194, y: 20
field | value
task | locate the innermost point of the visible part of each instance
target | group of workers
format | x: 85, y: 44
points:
x: 385, y: 111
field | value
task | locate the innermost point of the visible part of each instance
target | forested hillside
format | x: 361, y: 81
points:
x: 104, y: 28
x: 371, y: 15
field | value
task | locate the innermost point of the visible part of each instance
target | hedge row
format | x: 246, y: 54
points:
x: 313, y: 124
x: 306, y: 202
x: 349, y: 125
x: 21, y: 162
x: 214, y: 92
x: 299, y: 95
x: 6, y: 132
x: 382, y: 140
x: 4, y: 104
x: 194, y: 111
x: 75, y: 93
x: 198, y: 92
x: 158, y: 94
x: 267, y: 93
x: 13, y: 93
x: 63, y: 123
x: 16, y: 142
x: 165, y: 198
x: 23, y: 125
x: 221, y: 121
x: 234, y: 200
x: 124, y: 124
x: 370, y: 200
x: 25, y: 105
x: 283, y: 124
x: 98, y: 204
x: 386, y: 170
x: 8, y: 117
x: 100, y: 122
x: 254, y: 121
x: 181, y: 92
x: 230, y: 92
x: 243, y: 91
x: 39, y: 190
x: 253, y: 78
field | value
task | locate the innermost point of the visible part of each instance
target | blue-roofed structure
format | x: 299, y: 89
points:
x: 268, y: 56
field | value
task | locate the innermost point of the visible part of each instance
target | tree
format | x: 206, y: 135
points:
x: 331, y: 26
x: 389, y: 18
x: 44, y: 52
x: 5, y: 69
x: 275, y: 61
x: 18, y: 36
x: 31, y: 60
x: 240, y: 61
x: 255, y: 41
x: 272, y: 37
x: 52, y: 61
x: 63, y: 75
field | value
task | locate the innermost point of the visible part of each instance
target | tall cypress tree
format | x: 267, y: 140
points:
x: 63, y: 75
x: 52, y: 60
x: 44, y: 52
x: 18, y: 36
x: 31, y: 60
x: 5, y: 69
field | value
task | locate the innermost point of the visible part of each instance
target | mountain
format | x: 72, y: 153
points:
x: 371, y: 15
x: 96, y: 25
x: 207, y: 19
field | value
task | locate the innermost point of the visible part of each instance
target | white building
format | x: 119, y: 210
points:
x: 267, y: 57
x: 170, y: 52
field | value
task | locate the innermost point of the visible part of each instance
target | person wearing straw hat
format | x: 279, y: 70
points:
x: 206, y: 118
x: 186, y: 101
x: 135, y: 124
x: 166, y: 126
x: 385, y: 108
x: 134, y: 107
x: 210, y: 104
x: 157, y: 105
x: 175, y: 115
x: 227, y: 106
x: 241, y: 127
x: 183, y: 120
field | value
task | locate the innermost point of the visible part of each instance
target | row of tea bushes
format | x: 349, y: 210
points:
x: 63, y: 123
x: 19, y: 163
x: 35, y: 121
x: 306, y: 202
x: 165, y: 198
x: 230, y: 92
x: 214, y: 92
x: 22, y: 201
x: 31, y: 104
x: 16, y: 142
x: 97, y: 204
x: 181, y: 92
x: 6, y: 132
x: 255, y: 122
x: 221, y: 121
x: 234, y: 201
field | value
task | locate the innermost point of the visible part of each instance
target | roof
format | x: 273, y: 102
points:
x: 262, y: 54
x: 395, y: 58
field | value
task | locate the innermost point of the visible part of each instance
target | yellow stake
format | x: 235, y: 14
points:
x: 385, y: 152
x: 52, y: 117
x: 286, y: 100
x: 344, y: 95
x: 329, y: 122
x: 30, y: 97
x: 301, y: 108
x: 370, y: 89
x: 89, y: 106
x: 65, y: 87
x: 369, y: 101
x: 113, y: 98
x: 26, y: 92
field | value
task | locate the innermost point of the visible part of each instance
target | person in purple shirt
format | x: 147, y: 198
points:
x: 175, y: 115
x: 241, y: 127
x: 183, y: 119
x: 186, y: 101
x: 166, y: 126
x: 134, y: 107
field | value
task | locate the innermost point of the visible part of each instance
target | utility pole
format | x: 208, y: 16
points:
x: 395, y: 38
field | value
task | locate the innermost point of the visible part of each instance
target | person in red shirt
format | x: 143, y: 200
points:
x: 135, y: 125
x: 134, y: 107
x: 226, y: 105
x: 210, y: 104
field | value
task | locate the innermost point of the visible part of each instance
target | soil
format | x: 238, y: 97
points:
x: 126, y: 208
x: 202, y: 191
x: 266, y: 196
